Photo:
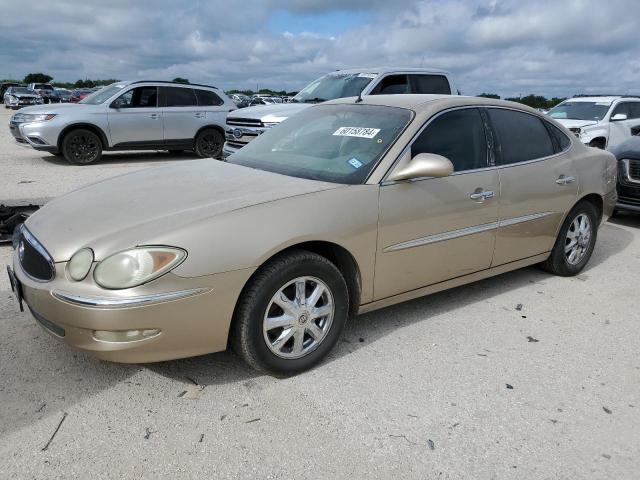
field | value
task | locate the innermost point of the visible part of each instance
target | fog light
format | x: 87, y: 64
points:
x: 124, y: 336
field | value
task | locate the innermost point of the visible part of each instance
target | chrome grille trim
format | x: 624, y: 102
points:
x: 27, y: 236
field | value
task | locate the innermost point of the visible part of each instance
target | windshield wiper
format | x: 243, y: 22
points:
x: 315, y: 100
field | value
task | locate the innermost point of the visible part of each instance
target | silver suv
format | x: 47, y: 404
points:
x: 142, y: 115
x: 246, y: 124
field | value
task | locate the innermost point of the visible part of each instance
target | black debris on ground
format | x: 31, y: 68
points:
x: 607, y: 410
x: 431, y: 445
x: 510, y: 387
x: 532, y: 340
x: 519, y: 307
x: 55, y: 432
x: 147, y: 433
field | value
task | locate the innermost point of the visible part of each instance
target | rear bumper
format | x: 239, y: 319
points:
x: 193, y: 315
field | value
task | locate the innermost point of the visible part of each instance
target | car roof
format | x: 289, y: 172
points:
x: 383, y: 70
x: 420, y: 103
x: 602, y: 99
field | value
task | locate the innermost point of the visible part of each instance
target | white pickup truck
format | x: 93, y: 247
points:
x: 600, y: 121
x: 247, y: 123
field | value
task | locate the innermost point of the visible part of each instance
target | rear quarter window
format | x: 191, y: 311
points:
x: 207, y: 98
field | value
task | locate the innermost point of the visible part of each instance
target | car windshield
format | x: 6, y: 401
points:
x: 580, y: 111
x: 334, y: 85
x: 21, y: 90
x: 332, y: 143
x: 103, y: 94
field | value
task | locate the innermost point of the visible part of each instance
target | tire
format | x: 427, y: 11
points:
x: 256, y: 343
x: 81, y: 147
x: 560, y: 261
x: 597, y: 144
x: 208, y: 143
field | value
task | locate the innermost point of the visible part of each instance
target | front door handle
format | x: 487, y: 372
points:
x: 480, y: 195
x: 199, y: 115
x: 565, y: 180
x: 155, y: 116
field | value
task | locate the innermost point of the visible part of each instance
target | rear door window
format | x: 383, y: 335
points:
x: 521, y: 136
x: 179, y: 97
x: 392, y: 85
x: 425, y: 84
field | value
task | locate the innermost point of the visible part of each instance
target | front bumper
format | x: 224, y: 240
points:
x: 192, y: 314
x: 38, y: 135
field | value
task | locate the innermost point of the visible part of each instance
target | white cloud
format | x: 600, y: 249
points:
x: 509, y: 47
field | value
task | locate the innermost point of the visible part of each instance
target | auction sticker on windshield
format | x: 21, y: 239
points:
x: 360, y: 132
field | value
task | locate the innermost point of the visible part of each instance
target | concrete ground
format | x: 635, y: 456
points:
x: 462, y: 384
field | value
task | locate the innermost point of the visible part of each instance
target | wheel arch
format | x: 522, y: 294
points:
x: 336, y: 254
x: 206, y: 127
x: 596, y: 200
x: 599, y: 139
x: 86, y: 126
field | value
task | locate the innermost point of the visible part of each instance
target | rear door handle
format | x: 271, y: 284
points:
x: 565, y: 180
x: 480, y: 195
x: 199, y: 115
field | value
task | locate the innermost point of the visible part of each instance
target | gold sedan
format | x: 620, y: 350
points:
x: 349, y: 206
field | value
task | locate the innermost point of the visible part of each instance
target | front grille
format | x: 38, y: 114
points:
x: 34, y: 258
x: 629, y: 200
x: 634, y: 169
x: 244, y: 122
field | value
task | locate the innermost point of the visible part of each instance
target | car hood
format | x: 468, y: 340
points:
x: 569, y: 123
x: 131, y: 209
x: 57, y: 108
x: 270, y: 113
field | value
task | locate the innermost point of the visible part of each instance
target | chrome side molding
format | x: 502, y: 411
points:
x: 440, y: 237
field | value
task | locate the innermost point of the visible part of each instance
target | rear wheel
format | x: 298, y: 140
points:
x: 575, y: 242
x: 291, y: 314
x: 81, y: 147
x: 208, y: 143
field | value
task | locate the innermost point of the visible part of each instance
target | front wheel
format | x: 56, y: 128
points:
x: 81, y: 147
x: 291, y: 314
x: 575, y: 242
x: 208, y: 143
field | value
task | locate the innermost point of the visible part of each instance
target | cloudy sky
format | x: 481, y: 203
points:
x: 510, y: 47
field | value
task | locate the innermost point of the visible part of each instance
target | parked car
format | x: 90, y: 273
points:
x: 246, y: 124
x: 601, y: 122
x: 143, y: 115
x: 79, y: 94
x: 264, y: 100
x: 5, y: 85
x: 18, y: 97
x: 240, y: 100
x: 46, y: 91
x: 346, y: 208
x: 64, y: 95
x: 628, y: 155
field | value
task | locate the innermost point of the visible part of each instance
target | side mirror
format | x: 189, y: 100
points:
x: 118, y: 103
x: 424, y: 165
x: 618, y: 117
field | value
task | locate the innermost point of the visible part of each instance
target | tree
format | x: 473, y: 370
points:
x: 490, y: 95
x: 37, y: 78
x: 181, y: 80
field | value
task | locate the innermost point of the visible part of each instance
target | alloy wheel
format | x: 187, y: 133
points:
x: 578, y: 239
x: 209, y: 145
x: 298, y: 317
x: 83, y: 148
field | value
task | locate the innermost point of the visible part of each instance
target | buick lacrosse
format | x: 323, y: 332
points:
x: 347, y: 207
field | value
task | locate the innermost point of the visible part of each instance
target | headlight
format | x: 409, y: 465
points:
x: 136, y: 266
x: 80, y: 264
x: 37, y: 117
